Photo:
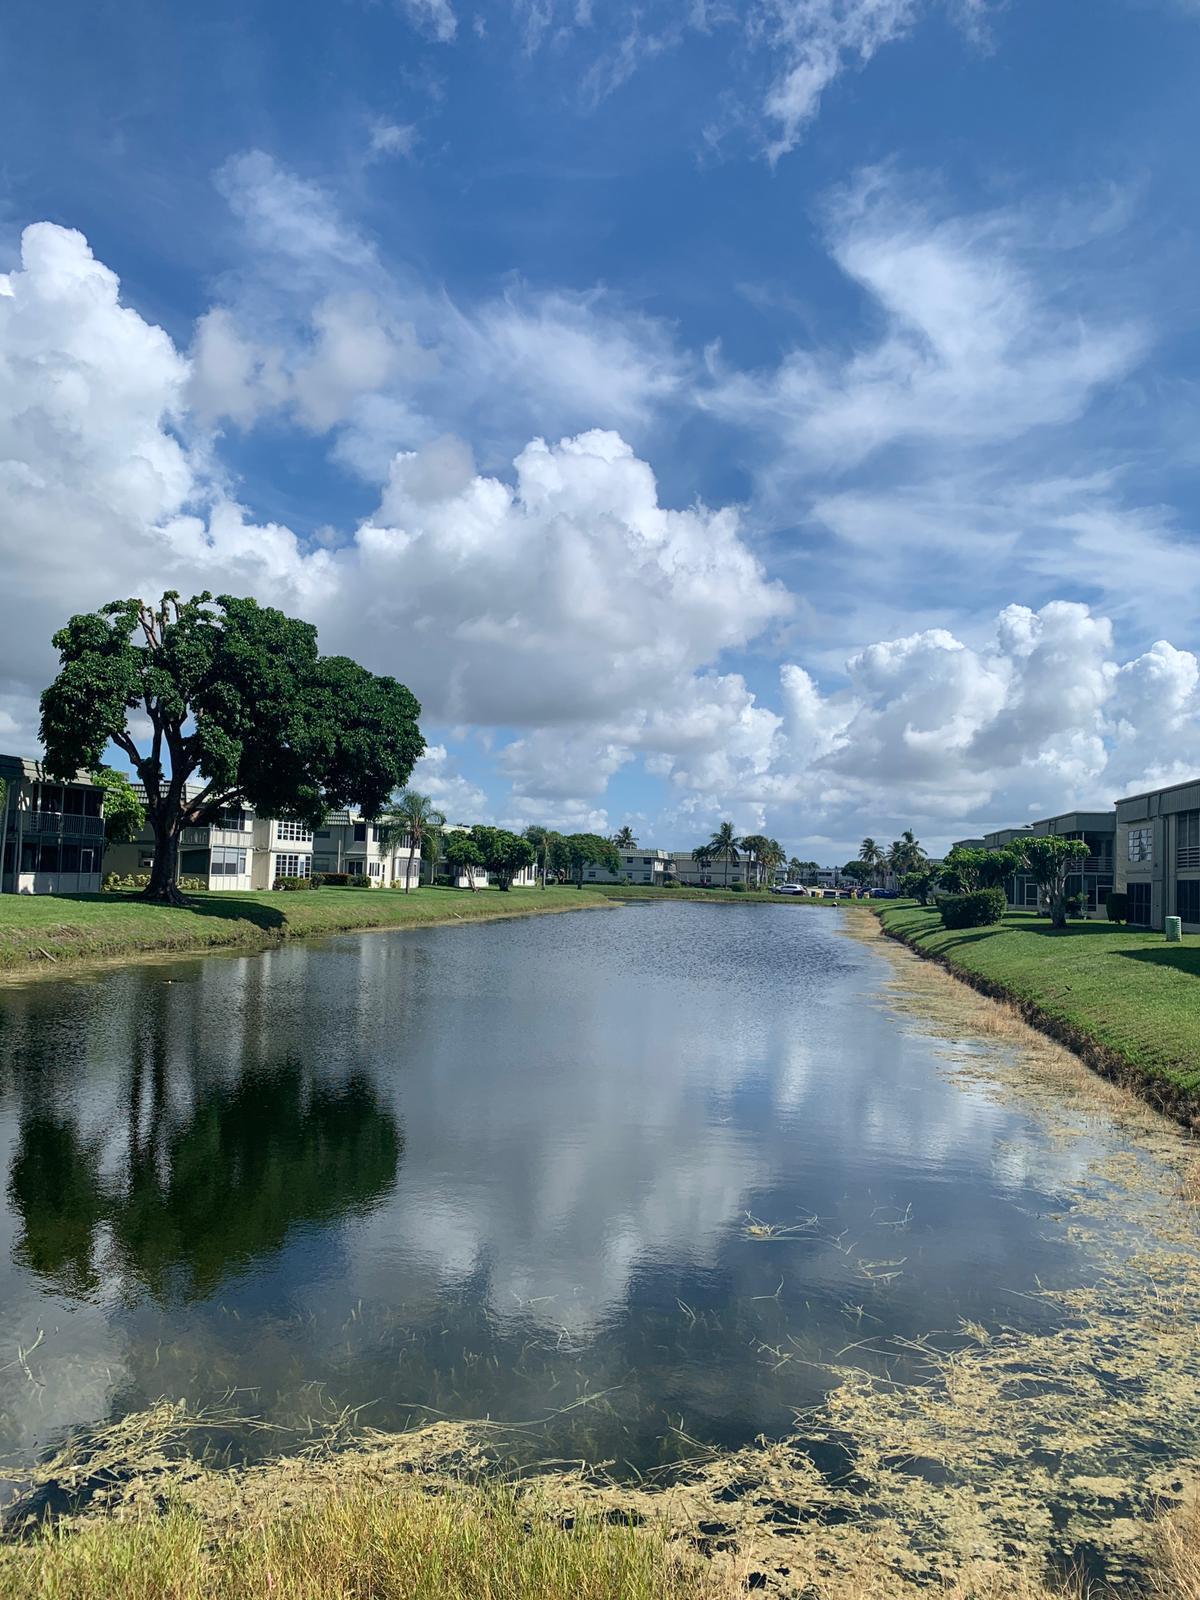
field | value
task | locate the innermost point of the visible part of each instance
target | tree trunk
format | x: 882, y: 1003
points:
x: 163, y: 887
x: 408, y: 868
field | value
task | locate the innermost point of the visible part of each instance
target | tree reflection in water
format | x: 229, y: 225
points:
x: 199, y: 1195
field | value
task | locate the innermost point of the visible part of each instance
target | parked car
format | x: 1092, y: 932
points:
x: 788, y: 888
x: 885, y: 894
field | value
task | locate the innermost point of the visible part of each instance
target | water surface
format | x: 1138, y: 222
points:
x: 669, y: 1160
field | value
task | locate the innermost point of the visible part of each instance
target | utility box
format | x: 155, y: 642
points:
x: 1173, y: 928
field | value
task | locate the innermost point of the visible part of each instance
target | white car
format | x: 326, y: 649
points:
x: 789, y: 888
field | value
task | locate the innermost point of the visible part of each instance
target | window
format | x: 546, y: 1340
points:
x: 234, y: 821
x: 70, y: 858
x: 647, y: 861
x: 73, y: 803
x: 293, y: 866
x: 50, y: 797
x: 1140, y: 845
x: 360, y: 833
x: 93, y: 801
x: 354, y: 869
x: 1187, y: 841
x: 194, y: 863
x: 48, y: 858
x: 228, y: 862
x: 1187, y: 899
x: 296, y: 832
x: 1137, y: 904
x: 377, y: 869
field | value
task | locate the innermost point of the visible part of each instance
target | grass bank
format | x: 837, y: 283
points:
x: 40, y: 930
x: 1122, y: 998
x: 414, y: 1517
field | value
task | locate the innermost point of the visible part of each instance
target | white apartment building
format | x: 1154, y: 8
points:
x: 714, y: 873
x: 52, y: 833
x: 221, y: 853
x: 641, y: 865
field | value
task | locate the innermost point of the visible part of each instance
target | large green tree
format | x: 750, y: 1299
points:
x: 589, y: 849
x: 504, y: 853
x: 235, y: 694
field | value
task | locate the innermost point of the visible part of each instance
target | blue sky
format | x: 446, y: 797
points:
x: 870, y: 327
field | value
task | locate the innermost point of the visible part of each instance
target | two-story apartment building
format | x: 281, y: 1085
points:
x: 221, y: 853
x: 1093, y: 875
x: 52, y: 833
x: 718, y: 873
x: 348, y: 842
x: 1158, y: 855
x: 641, y: 865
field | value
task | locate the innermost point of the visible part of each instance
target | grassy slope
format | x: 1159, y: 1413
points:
x: 65, y: 926
x: 1126, y: 990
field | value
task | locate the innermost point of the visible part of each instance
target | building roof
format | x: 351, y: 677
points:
x: 24, y: 767
x: 1167, y: 788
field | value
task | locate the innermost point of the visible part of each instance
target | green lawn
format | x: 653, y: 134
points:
x: 40, y: 929
x: 1125, y: 989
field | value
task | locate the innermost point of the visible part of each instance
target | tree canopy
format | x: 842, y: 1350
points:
x: 970, y: 867
x: 1049, y: 861
x: 504, y: 854
x: 236, y: 694
x: 582, y: 849
x: 463, y: 855
x: 124, y: 813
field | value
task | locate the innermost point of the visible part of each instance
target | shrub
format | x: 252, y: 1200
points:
x: 1116, y: 903
x: 737, y: 888
x: 295, y: 883
x: 975, y: 910
x: 1076, y: 905
x: 334, y: 880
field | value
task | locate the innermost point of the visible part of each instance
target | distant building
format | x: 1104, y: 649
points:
x: 53, y: 833
x: 1157, y: 860
x: 718, y: 873
x: 239, y: 850
x: 641, y: 865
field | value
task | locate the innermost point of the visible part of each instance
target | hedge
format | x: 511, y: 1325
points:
x: 976, y: 910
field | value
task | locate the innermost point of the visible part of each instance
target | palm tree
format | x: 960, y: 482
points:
x: 754, y: 844
x: 624, y: 839
x: 702, y: 856
x: 872, y: 858
x: 413, y: 818
x: 906, y: 854
x: 773, y: 857
x: 723, y: 846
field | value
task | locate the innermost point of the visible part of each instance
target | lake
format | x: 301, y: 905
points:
x: 638, y: 1178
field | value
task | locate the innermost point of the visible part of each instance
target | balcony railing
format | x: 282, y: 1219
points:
x: 39, y: 824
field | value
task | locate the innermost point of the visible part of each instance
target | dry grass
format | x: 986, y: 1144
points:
x: 460, y: 1543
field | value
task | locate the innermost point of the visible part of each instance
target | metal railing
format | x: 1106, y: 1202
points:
x: 38, y: 824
